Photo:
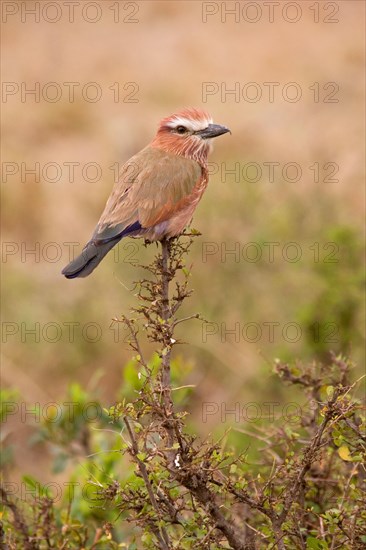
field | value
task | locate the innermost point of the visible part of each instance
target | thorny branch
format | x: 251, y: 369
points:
x: 161, y: 533
x: 19, y: 521
x: 193, y: 467
x: 159, y: 310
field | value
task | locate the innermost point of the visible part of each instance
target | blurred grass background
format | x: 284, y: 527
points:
x: 169, y: 53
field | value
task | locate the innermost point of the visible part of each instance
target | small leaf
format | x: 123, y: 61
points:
x: 344, y: 453
x: 60, y: 463
x: 313, y: 543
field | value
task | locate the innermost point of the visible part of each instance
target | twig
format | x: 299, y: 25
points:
x: 161, y: 533
x: 19, y: 522
x: 165, y: 364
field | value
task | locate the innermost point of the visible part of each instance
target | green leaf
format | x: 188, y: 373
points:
x: 60, y: 463
x: 313, y: 543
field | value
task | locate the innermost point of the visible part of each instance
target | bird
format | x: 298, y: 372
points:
x: 157, y: 190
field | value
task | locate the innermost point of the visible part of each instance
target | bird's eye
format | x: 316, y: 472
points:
x: 181, y: 129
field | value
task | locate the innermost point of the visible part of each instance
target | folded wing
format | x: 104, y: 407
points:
x: 153, y: 185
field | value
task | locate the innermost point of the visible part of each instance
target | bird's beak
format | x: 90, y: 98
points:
x: 212, y: 130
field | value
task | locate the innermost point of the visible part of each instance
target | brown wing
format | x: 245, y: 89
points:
x: 153, y: 185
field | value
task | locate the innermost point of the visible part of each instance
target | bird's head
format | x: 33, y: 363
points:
x: 189, y: 134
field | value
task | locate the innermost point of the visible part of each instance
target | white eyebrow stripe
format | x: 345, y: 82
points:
x: 193, y: 125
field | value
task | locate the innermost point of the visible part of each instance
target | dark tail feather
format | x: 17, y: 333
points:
x: 95, y: 250
x: 92, y: 254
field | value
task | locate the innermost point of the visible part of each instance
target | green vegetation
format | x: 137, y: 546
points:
x: 139, y: 476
